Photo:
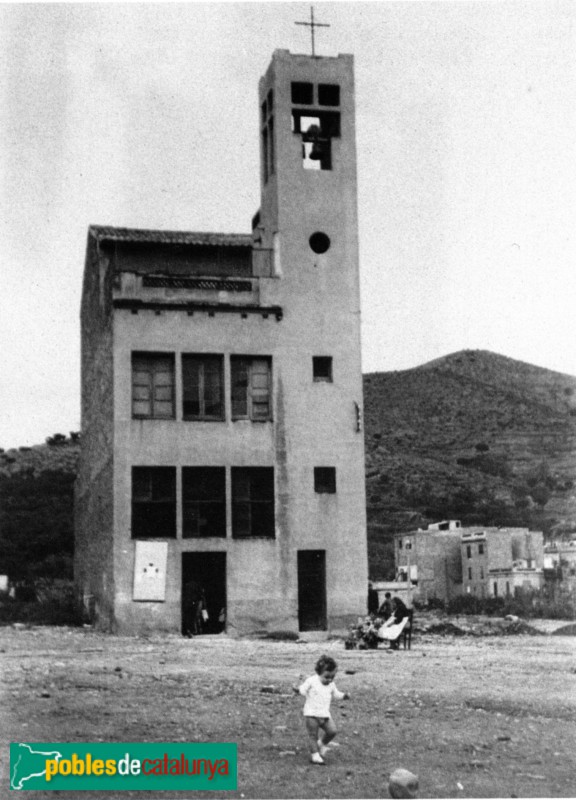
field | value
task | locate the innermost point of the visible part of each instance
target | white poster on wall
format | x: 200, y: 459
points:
x: 150, y: 571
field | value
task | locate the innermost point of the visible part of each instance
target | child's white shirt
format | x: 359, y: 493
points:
x: 318, y: 696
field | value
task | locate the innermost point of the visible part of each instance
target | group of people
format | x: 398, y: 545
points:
x: 393, y: 611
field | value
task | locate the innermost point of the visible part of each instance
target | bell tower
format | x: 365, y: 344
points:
x: 308, y: 154
x: 308, y: 221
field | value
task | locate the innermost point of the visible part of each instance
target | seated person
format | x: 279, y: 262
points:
x: 395, y: 624
x: 386, y: 608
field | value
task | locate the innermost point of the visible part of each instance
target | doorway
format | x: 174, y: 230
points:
x: 312, y: 590
x: 208, y: 571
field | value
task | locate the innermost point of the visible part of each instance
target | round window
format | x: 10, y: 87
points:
x: 319, y: 242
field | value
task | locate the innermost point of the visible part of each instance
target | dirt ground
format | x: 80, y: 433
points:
x: 491, y: 716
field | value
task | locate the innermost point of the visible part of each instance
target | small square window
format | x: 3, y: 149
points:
x: 328, y: 94
x: 322, y: 368
x: 303, y: 93
x: 325, y: 480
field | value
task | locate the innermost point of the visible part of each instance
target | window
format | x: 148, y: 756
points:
x: 468, y: 551
x: 322, y: 368
x: 480, y: 549
x: 153, y: 385
x: 202, y: 387
x: 470, y: 573
x: 153, y: 502
x: 302, y: 93
x: 203, y: 502
x: 328, y: 94
x: 253, y: 502
x: 251, y: 388
x: 481, y: 573
x: 317, y: 129
x: 319, y: 242
x: 325, y: 480
x: 268, y: 159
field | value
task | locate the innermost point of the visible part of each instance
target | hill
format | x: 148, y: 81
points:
x: 474, y: 436
x: 36, y: 511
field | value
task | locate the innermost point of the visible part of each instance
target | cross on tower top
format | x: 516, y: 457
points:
x: 312, y: 24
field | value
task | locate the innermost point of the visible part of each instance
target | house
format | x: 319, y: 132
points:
x: 222, y: 440
x: 498, y: 562
x: 446, y: 560
x: 432, y: 559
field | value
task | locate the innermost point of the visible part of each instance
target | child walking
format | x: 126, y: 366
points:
x: 319, y: 689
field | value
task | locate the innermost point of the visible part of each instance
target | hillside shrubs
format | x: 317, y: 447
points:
x: 54, y: 604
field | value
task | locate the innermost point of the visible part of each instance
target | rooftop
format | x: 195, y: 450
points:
x: 103, y: 233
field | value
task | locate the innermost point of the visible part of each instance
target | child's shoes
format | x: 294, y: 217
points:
x: 316, y: 758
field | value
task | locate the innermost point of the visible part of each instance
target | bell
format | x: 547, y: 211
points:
x: 317, y: 152
x: 312, y: 132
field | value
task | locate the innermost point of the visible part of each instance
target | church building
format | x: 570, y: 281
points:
x: 222, y: 441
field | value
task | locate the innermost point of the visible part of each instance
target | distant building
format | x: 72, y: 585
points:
x: 432, y: 559
x: 447, y: 560
x: 500, y: 562
x: 561, y: 554
x: 560, y: 564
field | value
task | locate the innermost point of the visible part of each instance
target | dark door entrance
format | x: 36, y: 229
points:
x: 208, y: 572
x: 312, y: 590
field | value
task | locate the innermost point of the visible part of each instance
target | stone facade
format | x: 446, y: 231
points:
x: 222, y: 393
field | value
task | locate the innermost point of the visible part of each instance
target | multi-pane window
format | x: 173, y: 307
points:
x: 202, y: 382
x: 251, y: 380
x: 325, y: 480
x: 203, y: 502
x: 253, y: 502
x: 153, y: 502
x: 153, y: 385
x: 322, y: 368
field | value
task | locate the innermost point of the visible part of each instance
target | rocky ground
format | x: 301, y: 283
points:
x: 473, y: 715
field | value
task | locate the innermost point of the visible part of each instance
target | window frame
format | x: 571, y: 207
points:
x: 325, y: 480
x: 253, y: 511
x: 202, y: 360
x: 146, y: 511
x: 322, y: 361
x: 252, y: 396
x: 153, y: 364
x: 209, y: 503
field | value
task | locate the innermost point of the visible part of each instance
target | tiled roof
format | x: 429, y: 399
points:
x: 103, y: 233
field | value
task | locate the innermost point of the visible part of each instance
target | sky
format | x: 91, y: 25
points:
x: 146, y: 115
